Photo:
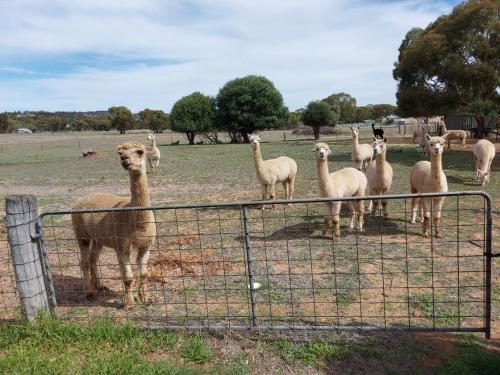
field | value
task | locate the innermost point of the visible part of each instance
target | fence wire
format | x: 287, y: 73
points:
x: 237, y: 266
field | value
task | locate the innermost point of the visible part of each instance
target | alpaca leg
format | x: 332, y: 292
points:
x: 438, y: 205
x: 291, y: 187
x: 425, y: 203
x: 286, y: 188
x: 414, y: 207
x: 157, y: 167
x: 360, y: 208
x: 384, y: 208
x: 142, y: 261
x: 370, y: 205
x: 88, y: 288
x: 263, y: 189
x: 272, y: 194
x: 352, y: 207
x: 95, y: 250
x: 328, y: 219
x: 336, y: 218
x: 127, y: 276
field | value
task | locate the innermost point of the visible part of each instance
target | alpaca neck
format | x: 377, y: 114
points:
x: 139, y: 195
x: 257, y: 158
x: 355, y: 143
x: 323, y: 176
x: 436, y: 166
x: 380, y: 163
x: 153, y: 143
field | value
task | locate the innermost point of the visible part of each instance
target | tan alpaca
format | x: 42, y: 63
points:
x: 424, y: 151
x: 451, y: 135
x: 121, y: 231
x: 347, y: 182
x: 428, y: 177
x: 484, y: 152
x: 269, y: 172
x: 362, y: 155
x: 379, y: 175
x: 153, y: 154
x: 417, y: 134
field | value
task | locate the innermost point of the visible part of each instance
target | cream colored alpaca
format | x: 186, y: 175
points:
x: 424, y: 151
x: 269, y: 172
x: 362, y: 155
x: 153, y: 154
x: 451, y: 135
x: 417, y: 134
x: 121, y: 230
x: 347, y: 182
x: 379, y: 176
x: 484, y: 152
x: 428, y: 177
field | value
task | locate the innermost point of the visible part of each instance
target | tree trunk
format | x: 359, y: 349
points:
x: 245, y: 137
x: 480, y: 121
x: 190, y: 136
x: 122, y: 130
x: 316, y: 132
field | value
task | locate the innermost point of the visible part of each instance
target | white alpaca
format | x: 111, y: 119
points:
x: 269, y: 172
x: 484, y: 152
x: 379, y: 175
x: 428, y: 177
x: 347, y: 182
x: 424, y: 151
x: 460, y: 135
x: 153, y: 154
x: 362, y: 155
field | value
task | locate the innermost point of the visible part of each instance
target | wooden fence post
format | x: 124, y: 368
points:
x: 21, y: 215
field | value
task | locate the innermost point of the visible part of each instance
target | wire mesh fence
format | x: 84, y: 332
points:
x: 238, y: 266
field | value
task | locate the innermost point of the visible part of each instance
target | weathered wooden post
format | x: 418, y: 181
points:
x: 21, y: 216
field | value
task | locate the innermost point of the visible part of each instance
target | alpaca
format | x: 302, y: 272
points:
x: 153, y: 154
x: 378, y: 133
x: 428, y: 177
x: 460, y: 135
x: 424, y: 151
x: 347, y: 182
x: 379, y: 175
x: 282, y: 169
x: 484, y: 152
x: 362, y: 155
x: 417, y: 134
x: 120, y: 230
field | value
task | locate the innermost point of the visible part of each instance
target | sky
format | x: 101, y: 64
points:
x: 69, y: 55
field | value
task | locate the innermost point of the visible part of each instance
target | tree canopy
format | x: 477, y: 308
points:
x: 247, y: 104
x: 155, y: 120
x: 346, y: 105
x: 193, y: 114
x: 121, y: 118
x: 452, y: 65
x: 319, y: 113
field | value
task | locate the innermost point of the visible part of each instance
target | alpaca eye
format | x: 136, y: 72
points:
x: 140, y: 152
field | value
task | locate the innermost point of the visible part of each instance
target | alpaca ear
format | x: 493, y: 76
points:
x: 444, y: 136
x: 249, y: 135
x: 375, y: 139
x: 427, y: 136
x: 385, y: 139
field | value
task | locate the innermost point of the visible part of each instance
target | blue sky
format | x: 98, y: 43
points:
x: 93, y: 54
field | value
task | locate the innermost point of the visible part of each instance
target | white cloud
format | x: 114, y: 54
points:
x: 308, y: 49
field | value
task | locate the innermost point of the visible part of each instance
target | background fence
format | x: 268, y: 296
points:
x: 236, y: 266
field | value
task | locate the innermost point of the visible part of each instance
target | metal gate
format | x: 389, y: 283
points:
x: 238, y: 266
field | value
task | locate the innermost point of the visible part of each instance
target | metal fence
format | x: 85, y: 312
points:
x: 237, y: 266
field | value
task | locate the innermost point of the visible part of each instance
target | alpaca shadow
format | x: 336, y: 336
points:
x: 462, y: 181
x: 291, y: 232
x: 69, y: 292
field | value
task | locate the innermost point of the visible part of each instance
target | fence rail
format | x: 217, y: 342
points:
x: 237, y: 266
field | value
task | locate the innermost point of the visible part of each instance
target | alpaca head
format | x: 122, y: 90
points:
x: 379, y: 146
x: 435, y: 144
x: 132, y: 156
x: 151, y: 136
x: 354, y: 132
x: 254, y: 140
x: 482, y: 176
x: 322, y: 150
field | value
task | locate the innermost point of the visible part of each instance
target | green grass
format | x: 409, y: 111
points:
x: 312, y: 353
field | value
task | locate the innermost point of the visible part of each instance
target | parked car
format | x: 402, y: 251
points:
x: 23, y: 131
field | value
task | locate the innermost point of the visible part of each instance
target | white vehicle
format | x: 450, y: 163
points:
x: 23, y: 131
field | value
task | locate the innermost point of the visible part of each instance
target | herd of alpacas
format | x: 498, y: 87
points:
x: 127, y: 230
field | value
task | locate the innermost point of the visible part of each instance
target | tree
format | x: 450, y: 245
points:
x: 121, y: 118
x: 247, y: 104
x: 346, y: 105
x: 453, y: 65
x: 319, y: 113
x: 5, y: 124
x: 155, y: 120
x: 193, y: 114
x: 382, y: 110
x: 363, y: 113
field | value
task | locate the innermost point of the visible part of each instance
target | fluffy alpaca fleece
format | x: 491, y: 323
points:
x: 484, y: 153
x: 451, y: 135
x: 428, y: 177
x: 347, y: 182
x: 379, y: 175
x: 424, y: 151
x: 153, y: 154
x: 362, y: 155
x: 122, y: 231
x: 269, y: 172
